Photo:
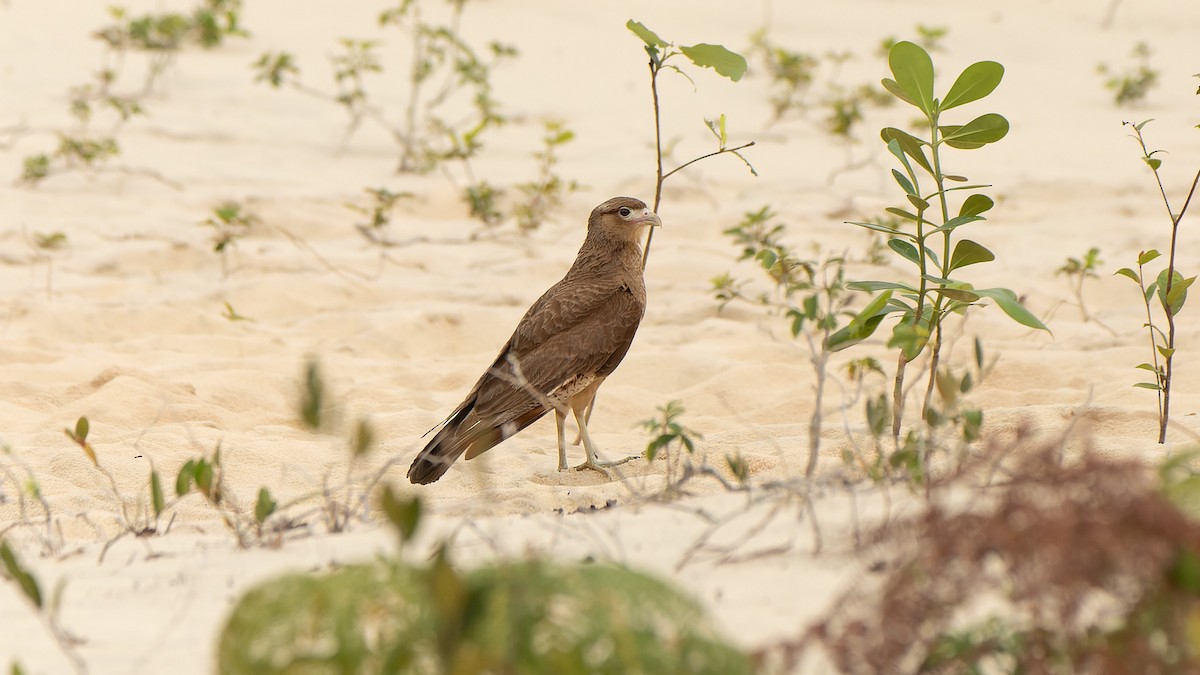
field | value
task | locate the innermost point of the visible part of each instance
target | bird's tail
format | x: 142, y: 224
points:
x: 445, y: 447
x: 453, y: 439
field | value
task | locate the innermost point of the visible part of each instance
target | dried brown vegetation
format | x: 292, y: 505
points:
x: 1083, y: 566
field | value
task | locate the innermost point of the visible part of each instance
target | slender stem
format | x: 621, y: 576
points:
x: 1164, y: 418
x: 820, y: 361
x: 658, y: 175
x: 1158, y: 372
x: 711, y: 154
x: 935, y: 319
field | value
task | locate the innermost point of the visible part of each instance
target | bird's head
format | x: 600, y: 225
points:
x: 622, y: 218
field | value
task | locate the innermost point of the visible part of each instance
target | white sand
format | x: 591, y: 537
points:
x: 124, y: 323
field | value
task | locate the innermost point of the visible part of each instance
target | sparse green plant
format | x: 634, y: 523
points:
x: 159, y: 37
x: 726, y: 63
x: 1077, y: 271
x: 795, y: 75
x: 379, y: 213
x: 543, y: 195
x: 481, y: 198
x: 667, y: 433
x: 264, y: 523
x: 230, y: 221
x: 1169, y: 286
x: 931, y: 246
x: 792, y: 74
x: 25, y: 489
x: 810, y: 294
x: 446, y: 74
x: 145, y: 519
x: 232, y: 314
x: 48, y: 608
x: 928, y: 37
x: 1130, y: 86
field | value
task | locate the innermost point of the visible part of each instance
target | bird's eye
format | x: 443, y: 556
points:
x: 624, y: 211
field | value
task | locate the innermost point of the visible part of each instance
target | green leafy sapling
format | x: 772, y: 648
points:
x: 932, y: 217
x: 545, y: 194
x: 156, y: 37
x: 48, y: 607
x: 1077, y: 271
x: 725, y: 62
x: 1169, y: 287
x: 230, y: 221
x: 667, y: 433
x: 810, y: 294
x: 379, y: 213
x: 660, y: 52
x: 792, y: 74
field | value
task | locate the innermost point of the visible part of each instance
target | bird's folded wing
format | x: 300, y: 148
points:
x: 562, y: 337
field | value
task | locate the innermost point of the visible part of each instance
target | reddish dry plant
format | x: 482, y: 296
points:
x: 1078, y: 567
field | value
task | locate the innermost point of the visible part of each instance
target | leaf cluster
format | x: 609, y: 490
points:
x: 1131, y: 85
x: 923, y: 304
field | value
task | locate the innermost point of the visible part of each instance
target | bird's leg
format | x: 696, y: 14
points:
x: 593, y: 459
x: 560, y: 421
x: 587, y: 417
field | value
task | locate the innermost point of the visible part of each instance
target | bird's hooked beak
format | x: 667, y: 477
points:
x: 650, y: 219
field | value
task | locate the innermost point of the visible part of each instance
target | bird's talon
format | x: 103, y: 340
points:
x: 594, y: 467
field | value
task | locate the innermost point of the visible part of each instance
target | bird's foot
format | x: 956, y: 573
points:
x: 596, y: 465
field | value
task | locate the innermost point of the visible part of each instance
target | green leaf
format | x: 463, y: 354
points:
x: 862, y: 325
x: 1148, y: 385
x: 896, y: 90
x: 918, y: 203
x: 403, y: 513
x: 960, y: 294
x: 26, y: 581
x: 726, y: 63
x: 910, y: 338
x: 977, y: 133
x: 904, y: 183
x: 1126, y: 272
x: 906, y: 250
x: 183, y: 481
x: 1146, y: 256
x: 902, y: 213
x: 1147, y: 366
x: 648, y: 36
x: 157, y: 502
x: 203, y: 475
x: 81, y: 429
x: 872, y: 286
x: 977, y: 81
x: 312, y: 399
x: 913, y: 70
x: 363, y: 438
x: 967, y: 252
x: 975, y: 205
x: 1007, y: 300
x: 1173, y: 301
x: 264, y: 506
x: 911, y: 145
x: 955, y: 222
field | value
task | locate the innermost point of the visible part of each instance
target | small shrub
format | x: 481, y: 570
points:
x: 1130, y: 86
x: 523, y: 617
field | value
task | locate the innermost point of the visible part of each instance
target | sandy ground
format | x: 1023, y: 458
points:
x: 124, y: 322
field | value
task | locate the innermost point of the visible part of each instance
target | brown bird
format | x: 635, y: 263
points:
x: 566, y: 344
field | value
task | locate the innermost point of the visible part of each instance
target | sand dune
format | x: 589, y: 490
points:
x: 124, y: 323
